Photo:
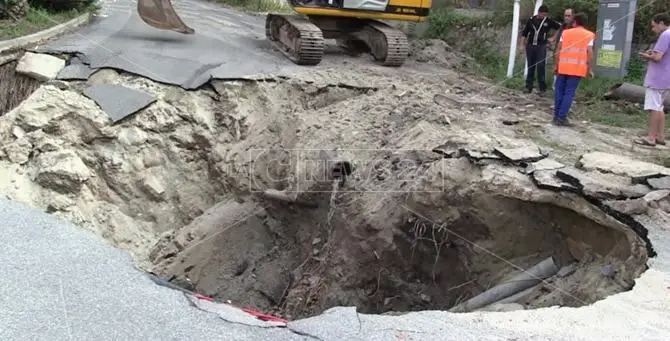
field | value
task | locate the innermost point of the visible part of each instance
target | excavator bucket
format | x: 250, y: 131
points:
x: 161, y: 15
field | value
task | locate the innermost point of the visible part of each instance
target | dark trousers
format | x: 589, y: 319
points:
x: 564, y: 93
x: 536, y: 56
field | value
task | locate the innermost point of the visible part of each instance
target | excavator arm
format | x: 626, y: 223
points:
x: 161, y: 15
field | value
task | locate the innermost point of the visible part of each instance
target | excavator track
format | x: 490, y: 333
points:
x: 389, y: 45
x: 296, y: 37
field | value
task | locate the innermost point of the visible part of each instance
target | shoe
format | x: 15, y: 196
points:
x: 644, y: 142
x: 528, y: 91
x: 660, y: 142
x: 565, y: 123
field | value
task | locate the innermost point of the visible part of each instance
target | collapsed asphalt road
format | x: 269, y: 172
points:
x: 226, y: 45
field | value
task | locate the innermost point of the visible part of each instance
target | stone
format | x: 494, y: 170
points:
x: 104, y: 76
x: 19, y: 151
x: 132, y: 136
x: 18, y: 132
x: 659, y: 183
x: 474, y: 155
x: 656, y: 195
x: 449, y: 149
x: 42, y: 67
x: 639, y: 171
x: 62, y: 171
x: 547, y: 179
x: 520, y: 154
x: 628, y: 207
x: 154, y: 186
x: 58, y: 202
x: 544, y: 164
x: 600, y: 185
x: 48, y: 105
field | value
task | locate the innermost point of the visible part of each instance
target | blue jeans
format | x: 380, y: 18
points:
x: 564, y: 93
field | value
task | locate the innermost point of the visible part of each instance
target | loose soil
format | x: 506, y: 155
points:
x: 179, y: 186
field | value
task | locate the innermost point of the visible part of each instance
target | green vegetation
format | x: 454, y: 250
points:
x: 484, y: 46
x: 22, y: 17
x: 275, y: 6
x: 34, y: 21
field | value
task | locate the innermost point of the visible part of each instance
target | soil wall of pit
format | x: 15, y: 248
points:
x: 418, y: 250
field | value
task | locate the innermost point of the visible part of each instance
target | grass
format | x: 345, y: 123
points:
x: 35, y: 20
x: 275, y: 6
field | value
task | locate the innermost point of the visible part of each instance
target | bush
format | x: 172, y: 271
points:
x: 62, y: 5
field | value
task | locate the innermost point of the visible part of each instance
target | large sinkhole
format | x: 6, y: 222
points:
x: 297, y: 261
x: 172, y: 185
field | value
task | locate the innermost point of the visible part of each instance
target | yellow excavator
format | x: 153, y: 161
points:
x: 355, y: 24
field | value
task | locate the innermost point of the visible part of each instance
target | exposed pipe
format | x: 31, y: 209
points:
x: 514, y: 40
x: 520, y: 282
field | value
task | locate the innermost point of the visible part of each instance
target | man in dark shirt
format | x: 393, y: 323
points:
x: 568, y: 14
x: 534, y: 40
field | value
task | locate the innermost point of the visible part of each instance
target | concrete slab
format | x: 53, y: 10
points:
x: 118, y: 101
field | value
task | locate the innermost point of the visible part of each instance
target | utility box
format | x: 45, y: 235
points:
x: 614, y: 37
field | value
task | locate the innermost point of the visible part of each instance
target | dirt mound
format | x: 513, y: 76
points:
x: 181, y: 186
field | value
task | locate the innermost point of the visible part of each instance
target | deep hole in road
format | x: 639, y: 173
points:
x: 296, y: 263
x: 177, y: 187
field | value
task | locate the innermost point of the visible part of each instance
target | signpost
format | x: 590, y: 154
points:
x: 614, y: 37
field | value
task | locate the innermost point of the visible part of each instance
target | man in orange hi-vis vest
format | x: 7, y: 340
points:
x: 574, y: 61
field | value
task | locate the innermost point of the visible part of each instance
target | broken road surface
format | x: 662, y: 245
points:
x: 227, y: 45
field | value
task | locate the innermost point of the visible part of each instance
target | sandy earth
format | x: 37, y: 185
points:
x: 178, y: 186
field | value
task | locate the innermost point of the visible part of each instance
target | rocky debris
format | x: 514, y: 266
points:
x: 547, y: 179
x: 659, y: 183
x: 49, y: 106
x: 658, y: 199
x: 628, y: 207
x: 42, y: 67
x: 475, y: 155
x: 153, y: 184
x: 449, y: 149
x: 638, y: 171
x: 61, y: 171
x: 602, y: 186
x: 520, y: 154
x: 19, y: 151
x: 104, y: 76
x: 543, y: 165
x: 118, y: 101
